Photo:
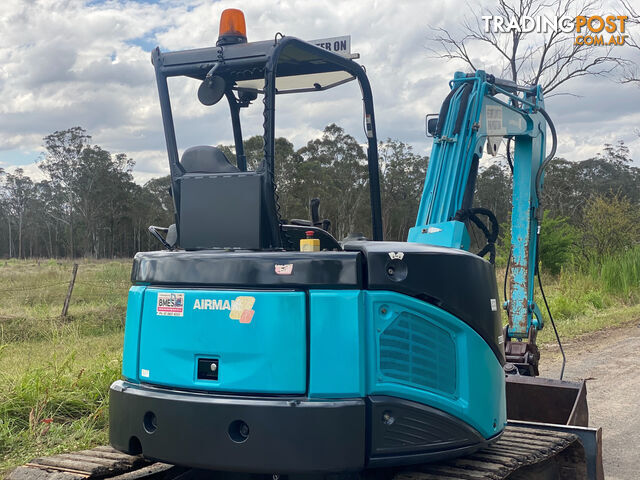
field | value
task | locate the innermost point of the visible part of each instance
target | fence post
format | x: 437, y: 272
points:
x: 67, y: 299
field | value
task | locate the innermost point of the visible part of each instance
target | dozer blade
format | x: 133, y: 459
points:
x: 545, y: 400
x: 545, y: 403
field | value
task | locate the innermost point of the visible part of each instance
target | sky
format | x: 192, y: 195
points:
x: 69, y: 62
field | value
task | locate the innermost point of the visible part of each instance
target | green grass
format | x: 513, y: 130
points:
x: 55, y: 372
x: 33, y: 294
x: 588, y: 298
x: 602, y: 294
x: 618, y: 274
x: 54, y: 396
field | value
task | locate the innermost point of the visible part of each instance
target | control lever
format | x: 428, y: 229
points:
x: 314, y: 207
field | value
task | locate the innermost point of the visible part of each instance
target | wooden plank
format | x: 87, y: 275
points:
x: 84, y: 459
x: 107, y: 448
x: 510, y: 449
x: 31, y: 473
x: 551, y: 436
x: 521, y: 437
x: 145, y: 472
x: 98, y: 462
x: 71, y: 465
x: 121, y: 457
x: 518, y: 447
x: 54, y: 468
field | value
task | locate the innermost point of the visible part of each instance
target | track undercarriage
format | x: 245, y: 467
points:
x: 523, y: 452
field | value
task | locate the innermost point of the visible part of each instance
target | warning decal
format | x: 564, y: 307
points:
x: 494, y: 121
x: 170, y: 304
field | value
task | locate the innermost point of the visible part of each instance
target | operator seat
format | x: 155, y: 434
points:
x: 224, y: 207
x: 221, y: 206
x: 206, y: 159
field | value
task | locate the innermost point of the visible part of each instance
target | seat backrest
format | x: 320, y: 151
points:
x: 223, y: 207
x: 206, y: 159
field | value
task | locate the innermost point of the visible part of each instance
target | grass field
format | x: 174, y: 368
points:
x: 55, y: 373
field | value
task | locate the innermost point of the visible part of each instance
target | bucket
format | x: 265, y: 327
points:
x: 546, y: 400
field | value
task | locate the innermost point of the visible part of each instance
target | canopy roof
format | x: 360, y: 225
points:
x: 300, y: 67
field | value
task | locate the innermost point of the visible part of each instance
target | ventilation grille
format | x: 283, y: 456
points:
x: 416, y: 352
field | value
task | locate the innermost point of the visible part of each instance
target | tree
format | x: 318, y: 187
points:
x: 557, y: 243
x: 611, y: 223
x: 402, y: 175
x: 20, y: 193
x: 160, y: 202
x: 100, y: 180
x: 563, y: 192
x: 611, y: 172
x: 631, y: 72
x: 493, y: 191
x: 568, y: 185
x: 334, y: 169
x: 61, y: 163
x: 287, y: 172
x: 49, y: 214
x: 548, y: 59
x: 111, y: 213
x: 4, y: 208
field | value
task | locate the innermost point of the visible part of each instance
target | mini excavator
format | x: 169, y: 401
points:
x: 260, y: 346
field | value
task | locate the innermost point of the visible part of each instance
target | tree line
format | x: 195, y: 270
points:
x: 89, y: 205
x: 591, y: 207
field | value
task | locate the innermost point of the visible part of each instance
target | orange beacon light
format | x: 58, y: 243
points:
x: 232, y: 27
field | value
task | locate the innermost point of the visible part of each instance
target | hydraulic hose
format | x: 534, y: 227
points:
x: 509, y: 159
x: 553, y: 324
x: 549, y: 157
x: 541, y: 170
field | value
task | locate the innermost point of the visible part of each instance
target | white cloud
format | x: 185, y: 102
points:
x: 66, y: 63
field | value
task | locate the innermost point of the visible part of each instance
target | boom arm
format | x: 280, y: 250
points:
x: 482, y: 109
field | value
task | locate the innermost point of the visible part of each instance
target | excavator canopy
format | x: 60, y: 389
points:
x: 241, y: 72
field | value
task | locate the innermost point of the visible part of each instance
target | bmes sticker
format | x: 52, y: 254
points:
x: 170, y: 304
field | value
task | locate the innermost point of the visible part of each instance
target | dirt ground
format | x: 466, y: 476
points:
x: 610, y: 362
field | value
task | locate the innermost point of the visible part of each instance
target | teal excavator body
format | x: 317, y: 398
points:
x: 244, y: 353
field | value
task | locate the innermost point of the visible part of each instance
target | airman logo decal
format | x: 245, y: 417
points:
x: 240, y: 309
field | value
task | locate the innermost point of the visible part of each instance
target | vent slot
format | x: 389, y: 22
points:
x: 416, y: 352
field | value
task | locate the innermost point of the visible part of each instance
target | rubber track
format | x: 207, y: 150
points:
x: 516, y: 448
